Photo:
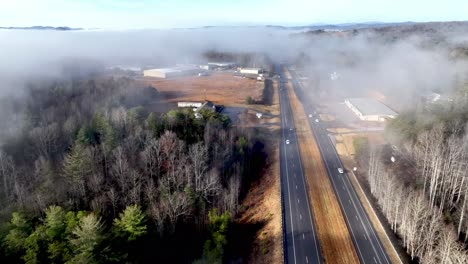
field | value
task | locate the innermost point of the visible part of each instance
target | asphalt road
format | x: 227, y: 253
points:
x: 368, y: 245
x: 300, y: 237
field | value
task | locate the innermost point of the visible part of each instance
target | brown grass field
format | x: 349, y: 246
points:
x: 335, y: 240
x: 263, y: 203
x: 221, y: 88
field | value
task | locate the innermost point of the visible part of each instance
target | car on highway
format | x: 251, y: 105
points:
x: 340, y: 170
x: 316, y: 120
x: 287, y: 141
x: 310, y: 115
x: 291, y: 129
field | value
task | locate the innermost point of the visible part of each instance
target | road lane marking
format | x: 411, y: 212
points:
x: 322, y: 152
x: 364, y: 221
x: 303, y: 236
x: 307, y: 259
x: 300, y: 216
x: 290, y: 207
x: 296, y: 186
x: 375, y: 260
x: 298, y: 200
x: 370, y: 226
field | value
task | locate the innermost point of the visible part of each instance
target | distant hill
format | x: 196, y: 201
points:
x: 42, y: 28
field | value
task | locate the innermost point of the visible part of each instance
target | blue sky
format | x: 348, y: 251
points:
x: 124, y: 14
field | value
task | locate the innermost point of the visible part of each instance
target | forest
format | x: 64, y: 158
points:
x: 88, y: 174
x: 423, y: 192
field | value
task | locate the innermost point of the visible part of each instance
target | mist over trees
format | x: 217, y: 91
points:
x: 424, y: 193
x: 91, y: 174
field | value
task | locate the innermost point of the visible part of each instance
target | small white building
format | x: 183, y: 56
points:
x: 172, y: 72
x: 221, y: 65
x: 250, y: 71
x: 189, y: 104
x: 368, y: 109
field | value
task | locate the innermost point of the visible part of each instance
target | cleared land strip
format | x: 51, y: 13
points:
x: 335, y: 240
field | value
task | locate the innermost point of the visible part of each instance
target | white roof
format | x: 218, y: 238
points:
x: 174, y: 69
x: 369, y: 106
x: 221, y: 63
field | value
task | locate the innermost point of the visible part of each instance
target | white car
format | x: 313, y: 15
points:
x: 287, y: 141
x: 340, y: 170
x: 310, y: 115
x: 316, y: 120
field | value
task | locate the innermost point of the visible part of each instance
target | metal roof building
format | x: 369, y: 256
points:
x: 251, y: 70
x: 172, y: 72
x: 369, y: 109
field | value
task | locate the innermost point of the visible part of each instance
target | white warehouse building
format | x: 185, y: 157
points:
x: 250, y: 70
x: 172, y: 72
x: 369, y: 109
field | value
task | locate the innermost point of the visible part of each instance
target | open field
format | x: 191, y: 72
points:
x: 220, y: 88
x: 263, y: 202
x: 335, y: 240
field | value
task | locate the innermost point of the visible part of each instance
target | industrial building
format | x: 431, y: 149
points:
x: 220, y: 65
x: 369, y: 109
x: 172, y: 72
x: 250, y: 71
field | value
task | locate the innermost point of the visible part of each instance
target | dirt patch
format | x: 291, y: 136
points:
x: 340, y: 130
x: 326, y: 117
x: 345, y: 142
x: 335, y: 241
x: 220, y: 88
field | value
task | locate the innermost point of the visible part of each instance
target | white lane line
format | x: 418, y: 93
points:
x: 296, y: 186
x: 375, y: 260
x: 339, y: 197
x: 371, y: 231
x: 300, y: 216
x: 297, y: 200
x: 303, y: 236
x: 312, y: 224
x: 290, y: 207
x: 365, y: 237
x: 353, y: 195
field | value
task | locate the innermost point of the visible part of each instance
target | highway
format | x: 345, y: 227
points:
x: 300, y: 237
x: 368, y: 245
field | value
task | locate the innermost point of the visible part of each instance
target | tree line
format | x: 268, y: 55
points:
x: 424, y: 193
x: 91, y: 169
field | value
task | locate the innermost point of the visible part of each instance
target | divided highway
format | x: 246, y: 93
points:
x: 300, y: 237
x: 368, y: 245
